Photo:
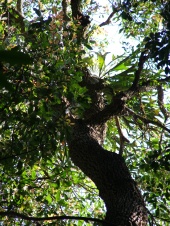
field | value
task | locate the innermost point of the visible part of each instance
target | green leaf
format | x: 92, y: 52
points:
x: 49, y: 199
x: 33, y: 174
x: 57, y: 196
x: 88, y: 47
x: 120, y: 67
x: 101, y: 61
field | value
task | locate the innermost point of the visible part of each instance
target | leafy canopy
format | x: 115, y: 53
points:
x: 44, y: 53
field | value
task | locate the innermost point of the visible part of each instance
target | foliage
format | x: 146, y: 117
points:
x: 43, y: 59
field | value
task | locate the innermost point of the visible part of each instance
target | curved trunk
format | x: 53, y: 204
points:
x: 123, y: 200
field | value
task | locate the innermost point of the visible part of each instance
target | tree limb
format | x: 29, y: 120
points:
x: 64, y: 6
x: 108, y: 20
x: 115, y: 10
x: 146, y: 120
x: 161, y: 102
x: 83, y: 20
x: 123, y: 139
x: 19, y: 6
x: 115, y: 108
x: 25, y: 217
x: 75, y: 7
x: 142, y: 59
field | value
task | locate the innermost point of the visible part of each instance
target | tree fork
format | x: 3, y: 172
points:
x: 124, y: 202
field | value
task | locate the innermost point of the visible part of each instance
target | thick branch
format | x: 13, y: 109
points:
x: 75, y: 7
x: 114, y: 109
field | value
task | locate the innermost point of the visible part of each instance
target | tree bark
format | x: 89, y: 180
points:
x: 123, y: 200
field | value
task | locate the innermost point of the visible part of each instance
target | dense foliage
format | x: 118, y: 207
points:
x: 46, y: 51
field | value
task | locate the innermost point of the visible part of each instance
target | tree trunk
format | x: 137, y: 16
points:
x: 123, y: 200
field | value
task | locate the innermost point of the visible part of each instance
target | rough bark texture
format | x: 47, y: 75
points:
x: 123, y: 200
x: 124, y: 203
